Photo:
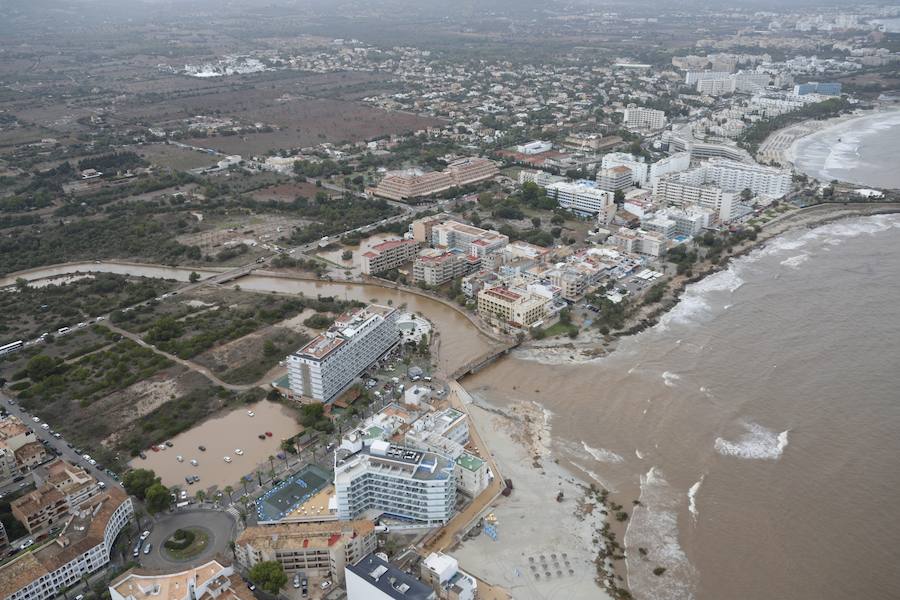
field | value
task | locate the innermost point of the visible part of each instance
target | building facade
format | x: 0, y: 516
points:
x: 518, y: 308
x: 389, y: 254
x: 644, y: 118
x: 318, y: 549
x: 327, y: 365
x: 397, y: 482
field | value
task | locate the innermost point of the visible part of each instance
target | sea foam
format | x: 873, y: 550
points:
x: 692, y: 498
x: 757, y: 443
x: 602, y: 454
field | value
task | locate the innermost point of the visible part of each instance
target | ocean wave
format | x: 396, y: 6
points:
x: 694, y: 302
x: 692, y: 498
x: 594, y: 476
x: 670, y: 378
x: 654, y: 526
x: 757, y: 443
x: 602, y: 454
x: 638, y: 454
x: 794, y: 262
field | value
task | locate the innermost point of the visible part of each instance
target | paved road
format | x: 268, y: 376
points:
x: 218, y: 524
x: 59, y: 444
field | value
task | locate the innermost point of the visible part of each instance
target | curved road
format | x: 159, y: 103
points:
x: 219, y: 525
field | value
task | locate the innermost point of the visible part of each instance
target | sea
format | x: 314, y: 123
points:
x: 758, y: 424
x: 863, y: 151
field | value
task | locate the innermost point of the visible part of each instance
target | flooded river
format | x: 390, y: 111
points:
x: 221, y: 436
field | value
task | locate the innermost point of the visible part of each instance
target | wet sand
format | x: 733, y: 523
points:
x: 544, y: 548
x: 221, y: 435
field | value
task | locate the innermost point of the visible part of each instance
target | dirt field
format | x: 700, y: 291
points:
x: 260, y: 229
x: 287, y: 192
x: 174, y: 157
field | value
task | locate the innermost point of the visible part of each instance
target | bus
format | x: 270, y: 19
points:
x: 11, y: 347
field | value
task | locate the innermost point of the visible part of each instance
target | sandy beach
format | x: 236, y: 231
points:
x: 544, y: 548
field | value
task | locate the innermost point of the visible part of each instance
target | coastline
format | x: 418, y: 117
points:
x: 591, y: 345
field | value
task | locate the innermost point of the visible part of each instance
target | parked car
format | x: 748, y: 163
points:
x: 296, y: 582
x: 148, y: 548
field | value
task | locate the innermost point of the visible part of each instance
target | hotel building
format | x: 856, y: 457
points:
x: 415, y: 183
x: 435, y: 267
x: 327, y: 365
x: 581, y: 196
x: 394, y: 481
x: 373, y: 578
x: 644, y: 118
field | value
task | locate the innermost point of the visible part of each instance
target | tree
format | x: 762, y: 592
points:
x: 194, y: 277
x: 619, y: 197
x: 201, y: 496
x: 229, y: 490
x: 40, y: 367
x: 269, y: 575
x: 138, y: 481
x: 157, y: 498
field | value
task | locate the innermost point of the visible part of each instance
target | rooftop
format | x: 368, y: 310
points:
x: 469, y: 462
x: 305, y: 535
x: 389, y: 580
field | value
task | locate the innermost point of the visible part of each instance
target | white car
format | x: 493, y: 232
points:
x: 93, y: 462
x: 325, y: 584
x: 26, y: 544
x: 226, y: 459
x: 45, y: 426
x: 145, y: 535
x: 238, y: 451
x: 250, y: 413
x: 35, y: 419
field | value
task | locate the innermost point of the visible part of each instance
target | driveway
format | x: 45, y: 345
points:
x: 218, y: 525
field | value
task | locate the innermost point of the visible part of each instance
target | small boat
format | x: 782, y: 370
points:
x: 179, y: 458
x: 201, y: 448
x: 227, y: 459
x: 194, y: 462
x: 250, y: 413
x: 268, y: 434
x: 238, y: 451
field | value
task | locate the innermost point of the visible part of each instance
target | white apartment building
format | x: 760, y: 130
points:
x: 395, y: 481
x: 209, y: 581
x: 328, y: 364
x: 614, y: 179
x: 442, y: 572
x: 675, y: 163
x: 639, y: 169
x: 467, y: 238
x: 694, y: 77
x: 373, y: 578
x: 733, y: 176
x: 671, y: 192
x: 474, y: 475
x: 388, y: 255
x: 689, y: 220
x: 436, y: 267
x: 81, y: 548
x: 535, y: 147
x: 539, y: 178
x: 644, y: 118
x: 638, y: 241
x: 581, y: 196
x: 661, y: 224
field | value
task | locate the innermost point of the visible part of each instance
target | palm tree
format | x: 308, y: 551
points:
x: 201, y: 496
x: 229, y: 490
x: 272, y: 464
x: 232, y: 546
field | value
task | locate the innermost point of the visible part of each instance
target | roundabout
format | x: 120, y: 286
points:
x: 190, y: 538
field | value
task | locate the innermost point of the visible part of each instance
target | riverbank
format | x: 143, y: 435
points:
x: 592, y: 345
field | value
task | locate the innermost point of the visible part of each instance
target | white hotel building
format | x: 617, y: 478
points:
x: 327, y: 365
x: 644, y: 118
x: 733, y: 176
x: 394, y: 481
x: 581, y: 196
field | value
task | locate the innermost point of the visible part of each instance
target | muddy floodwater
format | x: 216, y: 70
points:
x: 221, y: 436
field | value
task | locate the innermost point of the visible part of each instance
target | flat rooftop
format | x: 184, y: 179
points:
x: 389, y: 580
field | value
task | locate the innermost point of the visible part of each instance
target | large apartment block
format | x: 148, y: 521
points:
x: 435, y: 267
x: 581, y: 196
x: 327, y: 365
x: 516, y: 307
x: 81, y: 548
x: 472, y: 240
x: 395, y: 481
x: 644, y: 118
x: 415, y: 183
x: 210, y: 581
x: 388, y: 255
x: 317, y: 549
x: 734, y: 176
x: 724, y: 205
